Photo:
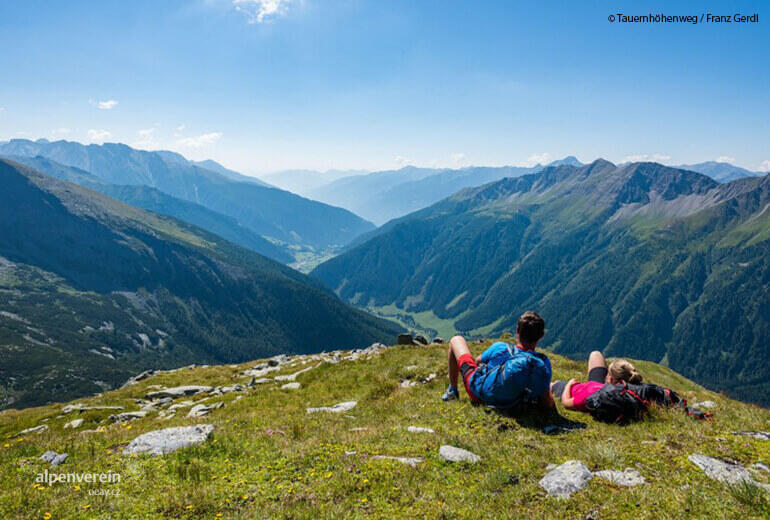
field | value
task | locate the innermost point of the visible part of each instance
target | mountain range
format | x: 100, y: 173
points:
x: 642, y: 260
x: 721, y: 171
x: 93, y: 290
x: 279, y: 216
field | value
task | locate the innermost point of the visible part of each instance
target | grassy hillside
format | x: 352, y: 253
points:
x: 111, y: 290
x: 268, y: 458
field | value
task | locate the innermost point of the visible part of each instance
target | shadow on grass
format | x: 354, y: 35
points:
x: 549, y: 422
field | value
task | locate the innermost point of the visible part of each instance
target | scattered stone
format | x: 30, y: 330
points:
x: 566, y: 479
x: 409, y: 461
x: 34, y: 429
x: 80, y: 407
x: 181, y: 404
x: 705, y: 404
x: 405, y: 339
x: 128, y: 416
x: 350, y: 453
x: 419, y: 338
x: 258, y: 381
x: 763, y: 436
x: 419, y: 429
x: 53, y: 458
x: 291, y: 386
x: 627, y: 478
x: 720, y: 470
x: 76, y: 423
x: 410, y: 367
x: 337, y: 408
x: 221, y: 390
x: 452, y: 454
x: 292, y: 377
x: 161, y: 442
x: 359, y: 429
x: 144, y: 375
x: 179, y: 391
x: 278, y: 360
x: 199, y: 410
x: 758, y: 466
x: 439, y: 340
x: 260, y: 372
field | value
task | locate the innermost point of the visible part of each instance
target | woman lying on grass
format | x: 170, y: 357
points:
x: 616, y: 394
x: 574, y: 394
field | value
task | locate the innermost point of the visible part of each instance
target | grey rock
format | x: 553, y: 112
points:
x: 53, y: 458
x: 291, y: 386
x: 720, y: 470
x: 705, y: 404
x: 161, y: 442
x: 405, y: 339
x: 566, y: 479
x: 409, y: 461
x: 258, y: 381
x: 199, y: 410
x: 337, y: 408
x: 420, y: 339
x: 179, y: 391
x: 260, y: 372
x: 34, y: 429
x: 278, y: 360
x: 79, y: 407
x: 221, y: 390
x: 128, y: 416
x: 759, y: 466
x: 292, y: 377
x: 75, y: 423
x: 359, y: 429
x: 439, y: 339
x: 419, y: 429
x: 181, y: 404
x: 627, y: 478
x: 139, y: 377
x: 763, y: 436
x: 452, y: 454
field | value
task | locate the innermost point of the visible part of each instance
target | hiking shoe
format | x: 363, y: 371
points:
x: 451, y: 394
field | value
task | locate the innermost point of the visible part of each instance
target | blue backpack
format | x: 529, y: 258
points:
x: 524, y: 377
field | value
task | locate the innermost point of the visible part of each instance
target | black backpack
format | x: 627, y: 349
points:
x: 618, y: 404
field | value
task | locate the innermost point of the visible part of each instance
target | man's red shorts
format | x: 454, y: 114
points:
x: 468, y: 367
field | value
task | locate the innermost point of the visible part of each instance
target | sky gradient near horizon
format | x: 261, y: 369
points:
x: 265, y: 85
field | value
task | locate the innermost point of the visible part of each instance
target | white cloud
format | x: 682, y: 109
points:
x: 61, y: 131
x: 765, y: 166
x: 261, y: 11
x: 538, y: 158
x: 106, y: 105
x: 458, y: 159
x: 401, y: 160
x: 98, y: 136
x: 180, y: 128
x: 2, y: 108
x: 201, y: 140
x: 725, y: 158
x: 645, y: 157
x: 146, y: 138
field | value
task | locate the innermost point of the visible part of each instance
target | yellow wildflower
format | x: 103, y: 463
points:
x: 47, y: 516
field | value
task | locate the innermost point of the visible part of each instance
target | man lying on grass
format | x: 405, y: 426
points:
x: 504, y: 376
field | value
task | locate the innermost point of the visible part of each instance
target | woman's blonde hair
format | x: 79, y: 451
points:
x: 622, y: 370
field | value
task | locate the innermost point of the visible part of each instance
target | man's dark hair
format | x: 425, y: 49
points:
x: 531, y: 327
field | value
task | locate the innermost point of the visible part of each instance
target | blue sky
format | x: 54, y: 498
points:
x: 262, y: 85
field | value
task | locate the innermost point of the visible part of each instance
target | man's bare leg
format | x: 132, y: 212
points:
x: 457, y: 347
